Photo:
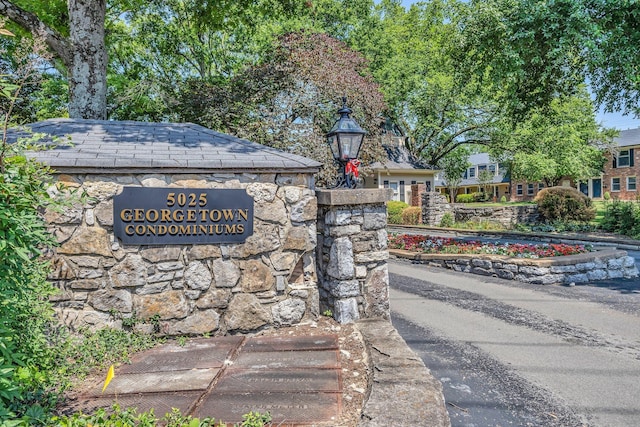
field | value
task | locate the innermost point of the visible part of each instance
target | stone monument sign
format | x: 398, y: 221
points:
x: 183, y: 230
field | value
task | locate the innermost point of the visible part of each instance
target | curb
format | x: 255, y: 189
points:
x: 403, y: 392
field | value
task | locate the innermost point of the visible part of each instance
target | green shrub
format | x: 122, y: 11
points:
x: 411, y: 215
x: 26, y: 311
x: 118, y: 416
x: 465, y: 198
x: 623, y: 218
x: 447, y: 220
x: 607, y: 195
x: 503, y: 199
x: 564, y: 204
x: 481, y: 197
x: 394, y: 211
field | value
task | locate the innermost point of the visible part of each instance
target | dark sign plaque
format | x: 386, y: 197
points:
x: 161, y: 216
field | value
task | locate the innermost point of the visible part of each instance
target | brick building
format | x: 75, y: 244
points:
x: 619, y: 176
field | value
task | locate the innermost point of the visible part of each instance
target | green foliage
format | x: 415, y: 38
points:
x: 78, y: 354
x: 255, y: 419
x: 453, y: 167
x: 485, y: 178
x: 557, y: 227
x: 607, y: 196
x: 437, y: 101
x: 503, y: 199
x: 480, y: 196
x: 563, y: 140
x: 25, y: 310
x: 536, y: 51
x: 10, y: 359
x: 622, y: 217
x: 447, y: 220
x: 289, y: 100
x: 482, y: 224
x: 411, y: 215
x: 564, y: 204
x: 465, y: 198
x: 394, y: 211
x: 130, y: 417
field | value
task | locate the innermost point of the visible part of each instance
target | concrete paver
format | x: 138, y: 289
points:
x: 296, y: 379
x: 286, y: 408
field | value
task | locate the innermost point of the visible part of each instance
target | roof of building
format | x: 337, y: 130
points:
x: 399, y: 158
x: 167, y: 147
x: 475, y: 160
x: 480, y: 159
x: 628, y: 138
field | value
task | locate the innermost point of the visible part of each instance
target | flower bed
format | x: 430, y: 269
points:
x: 537, y: 264
x: 447, y: 245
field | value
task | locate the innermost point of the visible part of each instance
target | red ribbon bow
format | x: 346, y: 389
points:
x: 352, y: 167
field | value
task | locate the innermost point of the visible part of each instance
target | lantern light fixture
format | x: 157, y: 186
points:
x: 345, y: 140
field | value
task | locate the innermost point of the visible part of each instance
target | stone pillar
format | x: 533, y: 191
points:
x: 352, y: 253
x: 434, y: 206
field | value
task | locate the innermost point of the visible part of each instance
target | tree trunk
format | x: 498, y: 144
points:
x: 88, y: 72
x: 84, y: 53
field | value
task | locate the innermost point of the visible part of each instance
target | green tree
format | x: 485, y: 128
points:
x: 81, y: 48
x: 485, y: 178
x: 77, y: 38
x: 453, y: 166
x: 289, y: 101
x: 416, y: 59
x: 561, y: 141
x: 159, y: 46
x: 536, y: 51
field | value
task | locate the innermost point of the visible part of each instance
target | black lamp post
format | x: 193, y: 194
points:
x: 345, y: 139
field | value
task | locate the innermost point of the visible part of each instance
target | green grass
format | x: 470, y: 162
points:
x: 601, y: 209
x: 497, y: 204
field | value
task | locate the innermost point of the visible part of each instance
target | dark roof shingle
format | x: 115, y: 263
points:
x: 172, y: 147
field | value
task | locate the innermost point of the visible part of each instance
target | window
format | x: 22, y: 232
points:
x: 540, y: 186
x: 623, y: 158
x: 394, y: 187
x: 615, y: 184
x: 494, y: 169
x: 482, y: 168
x: 631, y: 183
x: 519, y: 189
x: 472, y: 172
x: 529, y: 189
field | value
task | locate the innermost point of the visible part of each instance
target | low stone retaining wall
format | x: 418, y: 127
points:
x: 507, y: 215
x: 435, y: 206
x: 581, y: 268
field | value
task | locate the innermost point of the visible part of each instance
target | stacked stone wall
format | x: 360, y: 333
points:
x: 582, y: 268
x: 506, y: 216
x: 435, y: 206
x: 269, y: 280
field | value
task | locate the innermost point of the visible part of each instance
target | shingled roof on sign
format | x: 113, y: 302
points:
x: 118, y: 146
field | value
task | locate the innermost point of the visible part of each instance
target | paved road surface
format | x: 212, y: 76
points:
x: 508, y: 353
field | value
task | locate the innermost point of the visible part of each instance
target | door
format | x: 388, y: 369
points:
x: 596, y: 188
x: 584, y: 188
